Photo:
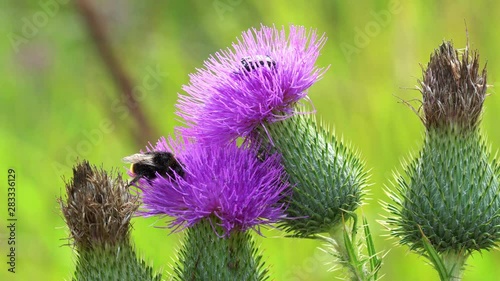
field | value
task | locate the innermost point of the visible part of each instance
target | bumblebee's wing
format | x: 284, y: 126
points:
x: 139, y: 158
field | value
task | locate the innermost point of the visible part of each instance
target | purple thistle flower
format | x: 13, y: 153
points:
x: 257, y: 82
x: 226, y: 184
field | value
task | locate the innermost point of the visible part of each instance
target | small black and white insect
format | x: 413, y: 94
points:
x: 147, y: 165
x: 254, y: 62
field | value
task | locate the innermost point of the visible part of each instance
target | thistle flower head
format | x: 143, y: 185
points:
x: 98, y: 208
x: 228, y: 185
x: 257, y: 81
x: 449, y: 193
x: 453, y: 89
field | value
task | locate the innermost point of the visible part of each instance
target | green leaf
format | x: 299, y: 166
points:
x: 375, y: 262
x: 435, y: 258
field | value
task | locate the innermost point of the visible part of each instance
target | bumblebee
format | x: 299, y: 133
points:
x: 147, y: 165
x: 251, y: 63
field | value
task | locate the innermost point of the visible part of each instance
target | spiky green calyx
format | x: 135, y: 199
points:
x: 112, y: 263
x: 449, y: 194
x: 97, y: 210
x: 207, y: 256
x: 327, y: 177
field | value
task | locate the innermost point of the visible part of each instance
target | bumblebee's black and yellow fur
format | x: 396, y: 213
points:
x: 147, y: 165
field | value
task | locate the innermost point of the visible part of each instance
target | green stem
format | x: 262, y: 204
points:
x: 454, y: 263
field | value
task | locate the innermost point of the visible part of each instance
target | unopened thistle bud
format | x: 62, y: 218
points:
x: 97, y: 210
x: 449, y: 194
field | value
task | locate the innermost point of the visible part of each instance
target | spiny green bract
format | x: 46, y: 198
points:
x: 450, y: 194
x: 206, y: 256
x: 327, y: 177
x: 112, y: 263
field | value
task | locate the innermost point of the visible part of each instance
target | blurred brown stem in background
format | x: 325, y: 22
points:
x: 125, y: 85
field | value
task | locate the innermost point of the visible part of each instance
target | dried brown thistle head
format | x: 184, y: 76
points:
x: 98, y: 207
x: 453, y: 89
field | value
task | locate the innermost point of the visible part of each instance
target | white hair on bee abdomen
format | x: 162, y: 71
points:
x: 139, y: 158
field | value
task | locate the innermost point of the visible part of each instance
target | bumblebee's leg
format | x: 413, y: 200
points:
x: 133, y: 181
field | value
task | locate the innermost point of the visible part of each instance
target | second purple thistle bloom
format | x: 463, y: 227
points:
x: 229, y: 185
x: 256, y: 82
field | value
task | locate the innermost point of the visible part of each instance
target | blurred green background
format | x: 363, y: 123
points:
x: 59, y: 101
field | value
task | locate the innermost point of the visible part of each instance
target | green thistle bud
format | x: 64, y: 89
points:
x: 97, y: 210
x: 327, y: 177
x: 449, y: 195
x: 207, y: 256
